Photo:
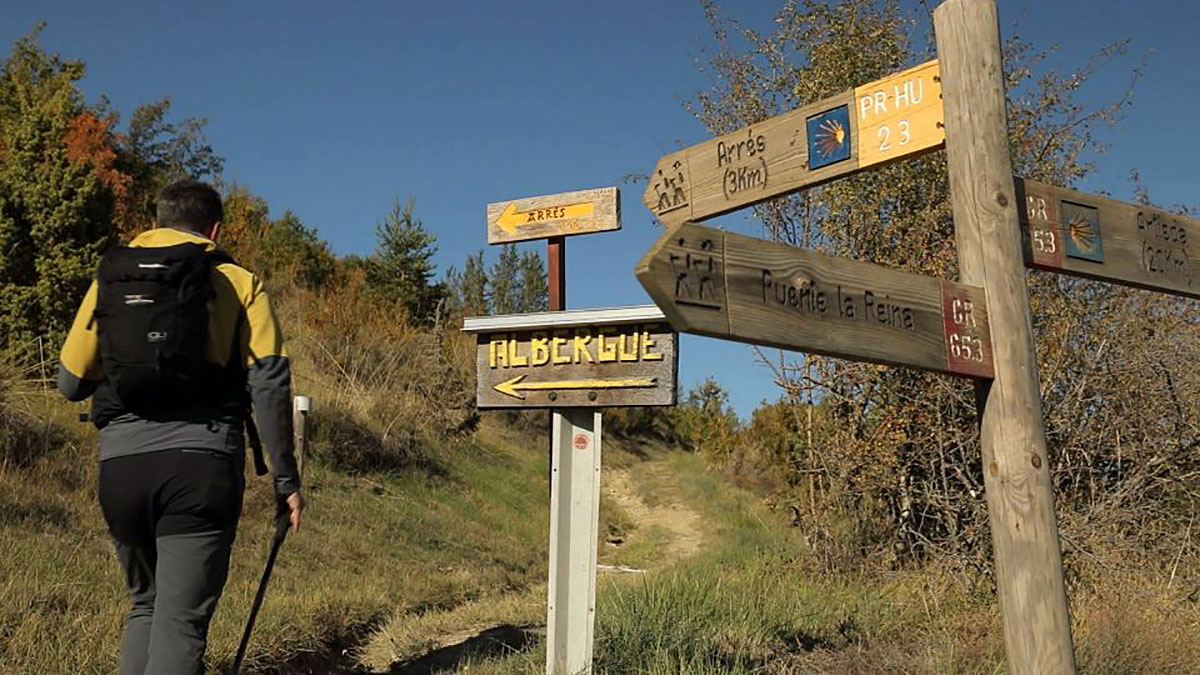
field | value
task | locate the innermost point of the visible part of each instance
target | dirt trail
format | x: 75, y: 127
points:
x: 681, y: 523
x: 510, y: 624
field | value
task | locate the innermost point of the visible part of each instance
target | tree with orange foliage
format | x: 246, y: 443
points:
x: 71, y: 185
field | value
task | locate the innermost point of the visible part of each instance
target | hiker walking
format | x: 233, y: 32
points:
x: 173, y: 341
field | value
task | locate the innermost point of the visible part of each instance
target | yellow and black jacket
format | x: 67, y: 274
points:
x: 240, y: 311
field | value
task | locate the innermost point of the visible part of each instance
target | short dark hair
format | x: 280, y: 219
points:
x: 190, y: 204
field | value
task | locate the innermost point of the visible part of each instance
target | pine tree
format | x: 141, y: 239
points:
x: 401, y: 269
x: 535, y: 290
x: 474, y: 289
x: 453, y: 284
x: 506, y: 282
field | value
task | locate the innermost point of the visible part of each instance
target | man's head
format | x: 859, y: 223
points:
x: 190, y: 205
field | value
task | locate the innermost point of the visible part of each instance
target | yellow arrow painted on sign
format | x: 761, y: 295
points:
x: 515, y: 386
x: 510, y: 219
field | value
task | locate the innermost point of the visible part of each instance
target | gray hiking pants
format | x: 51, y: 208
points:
x: 173, y: 514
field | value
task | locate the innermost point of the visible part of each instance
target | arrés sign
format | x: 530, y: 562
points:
x: 557, y: 215
x: 892, y: 118
x: 575, y: 359
x: 711, y: 282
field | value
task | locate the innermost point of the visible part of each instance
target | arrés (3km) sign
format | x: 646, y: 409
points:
x: 566, y: 213
x: 716, y: 283
x: 575, y: 359
x: 895, y: 117
x: 1100, y: 238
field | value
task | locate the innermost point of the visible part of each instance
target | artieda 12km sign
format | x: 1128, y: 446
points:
x: 575, y: 359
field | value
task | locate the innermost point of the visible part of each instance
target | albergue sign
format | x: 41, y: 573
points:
x: 575, y: 359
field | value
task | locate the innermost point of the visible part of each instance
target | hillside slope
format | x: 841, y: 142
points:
x: 466, y: 522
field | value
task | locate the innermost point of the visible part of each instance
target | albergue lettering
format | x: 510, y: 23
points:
x: 602, y: 344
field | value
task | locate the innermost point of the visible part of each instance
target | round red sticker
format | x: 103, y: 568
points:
x: 581, y: 442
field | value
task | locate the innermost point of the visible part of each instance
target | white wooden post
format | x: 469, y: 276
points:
x: 301, y: 407
x: 574, y: 521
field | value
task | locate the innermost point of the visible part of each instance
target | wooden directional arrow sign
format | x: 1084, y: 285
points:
x: 580, y: 212
x: 582, y: 358
x: 725, y: 285
x: 898, y: 116
x: 1091, y: 236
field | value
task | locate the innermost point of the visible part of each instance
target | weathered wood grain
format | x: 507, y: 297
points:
x: 1109, y: 240
x: 592, y: 365
x: 892, y: 118
x: 557, y: 215
x: 725, y: 285
x: 1029, y: 580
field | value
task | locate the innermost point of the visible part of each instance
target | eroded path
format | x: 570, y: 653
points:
x: 645, y: 525
x: 676, y: 525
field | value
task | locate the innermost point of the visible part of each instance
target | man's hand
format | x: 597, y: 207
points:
x: 295, y: 504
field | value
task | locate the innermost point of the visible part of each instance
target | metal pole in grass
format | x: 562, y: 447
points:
x: 301, y: 406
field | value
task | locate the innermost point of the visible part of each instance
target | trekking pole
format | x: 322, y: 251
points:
x: 301, y: 407
x: 282, y: 523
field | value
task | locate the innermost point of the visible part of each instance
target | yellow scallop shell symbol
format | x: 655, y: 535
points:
x: 831, y: 135
x: 1083, y: 234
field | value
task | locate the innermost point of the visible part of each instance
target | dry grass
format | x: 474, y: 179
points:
x: 373, y: 543
x: 752, y: 602
x: 429, y: 541
x: 403, y: 382
x: 409, y: 636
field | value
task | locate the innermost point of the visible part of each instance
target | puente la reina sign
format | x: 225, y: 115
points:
x: 716, y: 283
x: 575, y: 359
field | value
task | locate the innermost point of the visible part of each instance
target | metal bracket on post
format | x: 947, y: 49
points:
x: 574, y: 523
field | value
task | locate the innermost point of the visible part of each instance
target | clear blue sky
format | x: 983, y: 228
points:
x: 335, y: 109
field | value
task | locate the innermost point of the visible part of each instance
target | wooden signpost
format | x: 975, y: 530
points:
x: 726, y: 285
x: 892, y: 118
x: 558, y: 215
x: 1100, y: 238
x: 540, y: 367
x: 579, y: 362
x: 1016, y: 469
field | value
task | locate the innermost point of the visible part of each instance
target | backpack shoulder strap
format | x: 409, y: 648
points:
x: 219, y: 256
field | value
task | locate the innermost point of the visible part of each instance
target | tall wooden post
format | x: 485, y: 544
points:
x: 556, y: 252
x: 1033, y: 600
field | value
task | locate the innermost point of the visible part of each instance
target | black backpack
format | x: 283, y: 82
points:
x: 152, y: 314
